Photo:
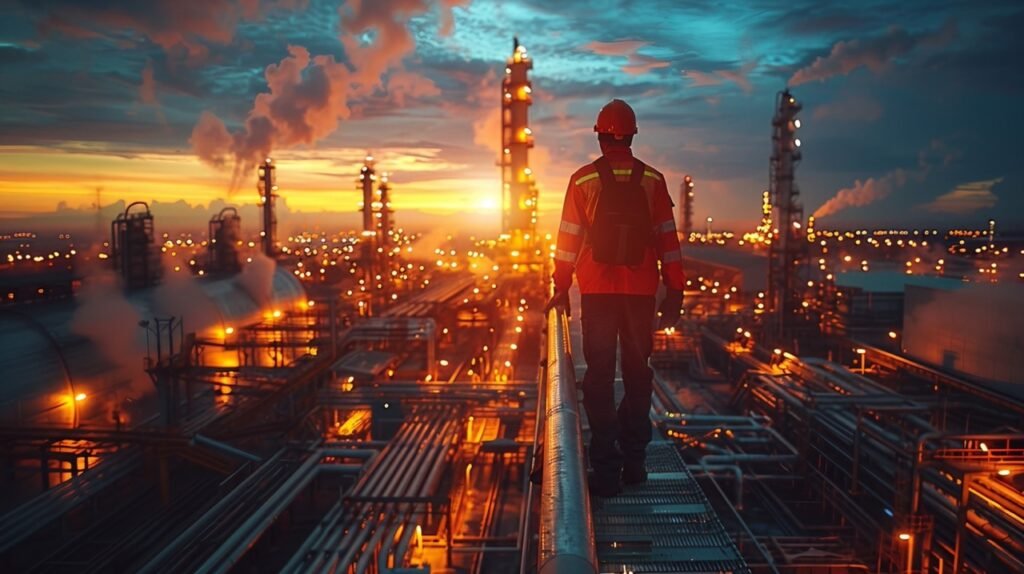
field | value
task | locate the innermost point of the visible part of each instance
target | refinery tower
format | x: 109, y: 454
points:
x: 519, y: 191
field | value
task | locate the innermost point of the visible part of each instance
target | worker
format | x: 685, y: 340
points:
x: 617, y: 227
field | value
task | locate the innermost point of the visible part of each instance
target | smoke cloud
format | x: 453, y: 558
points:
x: 307, y: 99
x: 310, y: 95
x: 974, y: 330
x: 873, y: 53
x: 257, y: 279
x: 179, y: 295
x: 111, y: 322
x: 862, y: 193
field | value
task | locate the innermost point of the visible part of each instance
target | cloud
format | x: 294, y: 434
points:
x: 376, y: 34
x: 484, y: 106
x: 862, y: 193
x: 739, y: 77
x: 403, y: 87
x: 187, y: 25
x: 147, y: 90
x: 966, y: 198
x: 850, y: 109
x: 873, y: 53
x: 636, y: 63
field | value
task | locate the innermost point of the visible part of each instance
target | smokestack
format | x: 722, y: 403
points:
x: 268, y: 191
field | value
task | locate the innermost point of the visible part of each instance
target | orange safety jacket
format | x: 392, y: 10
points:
x: 573, y: 251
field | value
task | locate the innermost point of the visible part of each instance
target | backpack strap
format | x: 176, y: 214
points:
x: 637, y: 174
x: 604, y: 172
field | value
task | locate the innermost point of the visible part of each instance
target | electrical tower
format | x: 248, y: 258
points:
x: 268, y: 192
x: 788, y: 248
x: 686, y: 198
x: 519, y: 190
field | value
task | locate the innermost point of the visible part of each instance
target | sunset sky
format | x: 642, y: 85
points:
x: 911, y: 109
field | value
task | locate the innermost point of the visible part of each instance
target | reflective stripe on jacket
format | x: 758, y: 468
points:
x: 573, y: 252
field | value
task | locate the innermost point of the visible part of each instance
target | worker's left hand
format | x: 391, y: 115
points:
x: 668, y: 311
x: 560, y: 299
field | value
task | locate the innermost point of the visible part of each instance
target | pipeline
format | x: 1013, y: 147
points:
x: 869, y: 440
x: 363, y: 525
x: 566, y: 542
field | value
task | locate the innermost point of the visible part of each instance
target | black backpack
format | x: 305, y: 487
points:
x: 622, y: 229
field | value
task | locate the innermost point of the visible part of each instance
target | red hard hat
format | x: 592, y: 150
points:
x: 616, y: 118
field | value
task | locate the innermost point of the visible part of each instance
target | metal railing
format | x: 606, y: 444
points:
x: 566, y: 542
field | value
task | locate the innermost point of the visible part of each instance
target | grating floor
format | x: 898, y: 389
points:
x: 665, y: 525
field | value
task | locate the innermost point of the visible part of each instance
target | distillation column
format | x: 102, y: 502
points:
x: 519, y: 191
x: 384, y: 212
x: 268, y: 192
x: 368, y: 239
x: 788, y: 247
x: 686, y: 199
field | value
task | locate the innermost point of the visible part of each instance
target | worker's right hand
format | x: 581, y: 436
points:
x: 668, y: 311
x: 560, y: 299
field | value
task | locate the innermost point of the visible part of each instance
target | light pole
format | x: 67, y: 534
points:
x: 863, y: 359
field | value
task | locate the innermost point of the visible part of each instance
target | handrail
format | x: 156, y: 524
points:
x: 566, y: 542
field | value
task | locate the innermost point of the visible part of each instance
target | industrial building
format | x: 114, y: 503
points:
x: 335, y: 401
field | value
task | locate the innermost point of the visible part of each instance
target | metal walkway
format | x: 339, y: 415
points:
x: 664, y: 525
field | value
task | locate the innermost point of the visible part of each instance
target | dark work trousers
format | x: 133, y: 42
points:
x: 611, y: 320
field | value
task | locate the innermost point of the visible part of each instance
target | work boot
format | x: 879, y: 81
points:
x: 634, y: 473
x: 603, y: 486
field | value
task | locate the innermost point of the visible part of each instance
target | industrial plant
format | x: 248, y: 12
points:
x: 247, y: 398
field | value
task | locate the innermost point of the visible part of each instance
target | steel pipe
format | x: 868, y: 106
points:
x: 566, y: 543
